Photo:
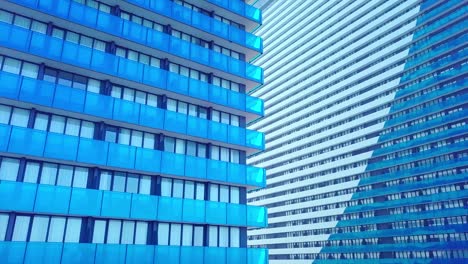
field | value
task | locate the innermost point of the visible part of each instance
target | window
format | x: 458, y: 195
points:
x: 124, y: 182
x: 3, y: 224
x: 225, y: 154
x: 224, y: 193
x: 186, y: 108
x: 129, y: 137
x: 64, y: 125
x: 71, y: 80
x: 182, y: 189
x: 181, y: 146
x: 223, y: 236
x: 120, y: 232
x: 180, y: 234
x: 133, y: 95
x: 20, y: 230
x: 9, y: 169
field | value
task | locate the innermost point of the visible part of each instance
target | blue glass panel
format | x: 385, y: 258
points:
x: 200, y: 54
x: 218, y: 95
x: 62, y: 147
x: 256, y: 216
x: 121, y: 156
x: 255, y: 73
x: 76, y: 55
x: 4, y: 136
x: 180, y: 47
x: 215, y: 255
x: 116, y: 204
x: 37, y: 92
x: 84, y: 15
x: 237, y: 67
x: 158, y: 40
x: 255, y: 139
x: 27, y: 141
x: 254, y: 105
x: 140, y: 254
x: 200, y: 21
x: 198, y: 89
x: 192, y: 255
x: 236, y: 214
x: 172, y: 163
x: 85, y: 202
x: 236, y: 135
x: 151, y: 117
x: 43, y: 253
x: 193, y: 211
x: 175, y: 122
x: 236, y: 173
x: 104, y: 62
x: 52, y: 199
x: 144, y: 207
x: 219, y: 28
x: 109, y: 23
x: 126, y: 111
x: 50, y: 48
x: 14, y: 37
x: 12, y: 252
x: 92, y: 151
x: 167, y: 255
x: 256, y: 176
x: 154, y: 77
x: 236, y: 255
x: 75, y: 253
x: 215, y: 213
x: 195, y: 167
x: 16, y: 196
x: 239, y: 36
x: 177, y: 83
x: 10, y: 84
x: 99, y: 105
x: 254, y: 42
x: 181, y: 13
x: 217, y: 170
x: 257, y: 256
x: 130, y: 70
x: 170, y: 209
x: 197, y: 127
x: 219, y: 61
x: 148, y: 160
x: 236, y: 100
x: 69, y: 99
x: 133, y: 31
x: 217, y: 131
x: 108, y: 253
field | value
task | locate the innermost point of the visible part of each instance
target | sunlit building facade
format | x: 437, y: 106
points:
x: 366, y: 132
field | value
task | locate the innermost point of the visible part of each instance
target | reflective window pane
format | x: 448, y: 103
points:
x: 113, y: 232
x: 178, y: 189
x: 49, y: 173
x: 141, y: 233
x: 3, y: 226
x: 80, y: 178
x: 65, y: 175
x: 175, y: 234
x: 99, y: 231
x: 20, y: 231
x: 73, y: 231
x: 163, y: 234
x: 128, y: 231
x: 39, y: 229
x: 9, y: 169
x: 56, y: 229
x: 187, y: 235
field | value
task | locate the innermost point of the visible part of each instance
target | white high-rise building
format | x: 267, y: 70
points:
x: 366, y: 105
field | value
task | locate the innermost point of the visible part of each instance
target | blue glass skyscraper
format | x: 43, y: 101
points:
x: 366, y: 129
x: 122, y: 131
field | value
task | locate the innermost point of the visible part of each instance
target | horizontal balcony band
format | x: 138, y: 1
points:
x: 455, y: 245
x: 113, y: 25
x: 37, y: 143
x: 65, y: 98
x: 61, y: 200
x: 57, y: 50
x: 40, y: 252
x: 241, y: 8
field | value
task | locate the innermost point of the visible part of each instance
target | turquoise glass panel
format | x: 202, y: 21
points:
x: 199, y: 21
x: 92, y: 151
x: 104, y: 62
x: 133, y: 31
x: 140, y: 254
x: 236, y: 255
x: 144, y: 207
x: 148, y: 160
x: 108, y: 253
x: 126, y: 111
x: 254, y: 105
x: 192, y: 255
x: 197, y: 127
x: 193, y: 211
x: 239, y: 36
x: 27, y: 141
x: 215, y: 213
x: 200, y: 54
x: 52, y: 199
x: 121, y: 156
x: 256, y: 176
x: 12, y: 252
x: 215, y: 255
x: 85, y: 202
x: 130, y: 70
x: 236, y: 214
x: 177, y: 83
x: 170, y: 209
x: 175, y: 122
x: 236, y: 135
x: 10, y: 84
x: 217, y: 170
x: 37, y: 92
x: 75, y: 253
x: 195, y: 167
x: 257, y: 256
x: 109, y: 23
x: 14, y: 37
x: 218, y: 95
x: 256, y: 216
x: 74, y: 54
x: 217, y: 131
x: 5, y: 131
x: 154, y: 77
x: 151, y: 117
x: 219, y: 61
x: 236, y: 100
x: 236, y: 173
x: 62, y: 147
x: 83, y: 14
x: 180, y: 47
x: 157, y: 40
x: 181, y: 13
x: 172, y: 163
x: 167, y: 255
x: 69, y: 99
x: 199, y: 89
x: 16, y: 196
x: 255, y: 139
x: 116, y: 204
x: 99, y: 105
x: 43, y: 253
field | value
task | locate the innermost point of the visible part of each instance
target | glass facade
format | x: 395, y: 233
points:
x: 123, y: 132
x: 366, y: 131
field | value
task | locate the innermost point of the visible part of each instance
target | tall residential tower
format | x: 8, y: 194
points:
x: 122, y: 131
x: 366, y: 106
